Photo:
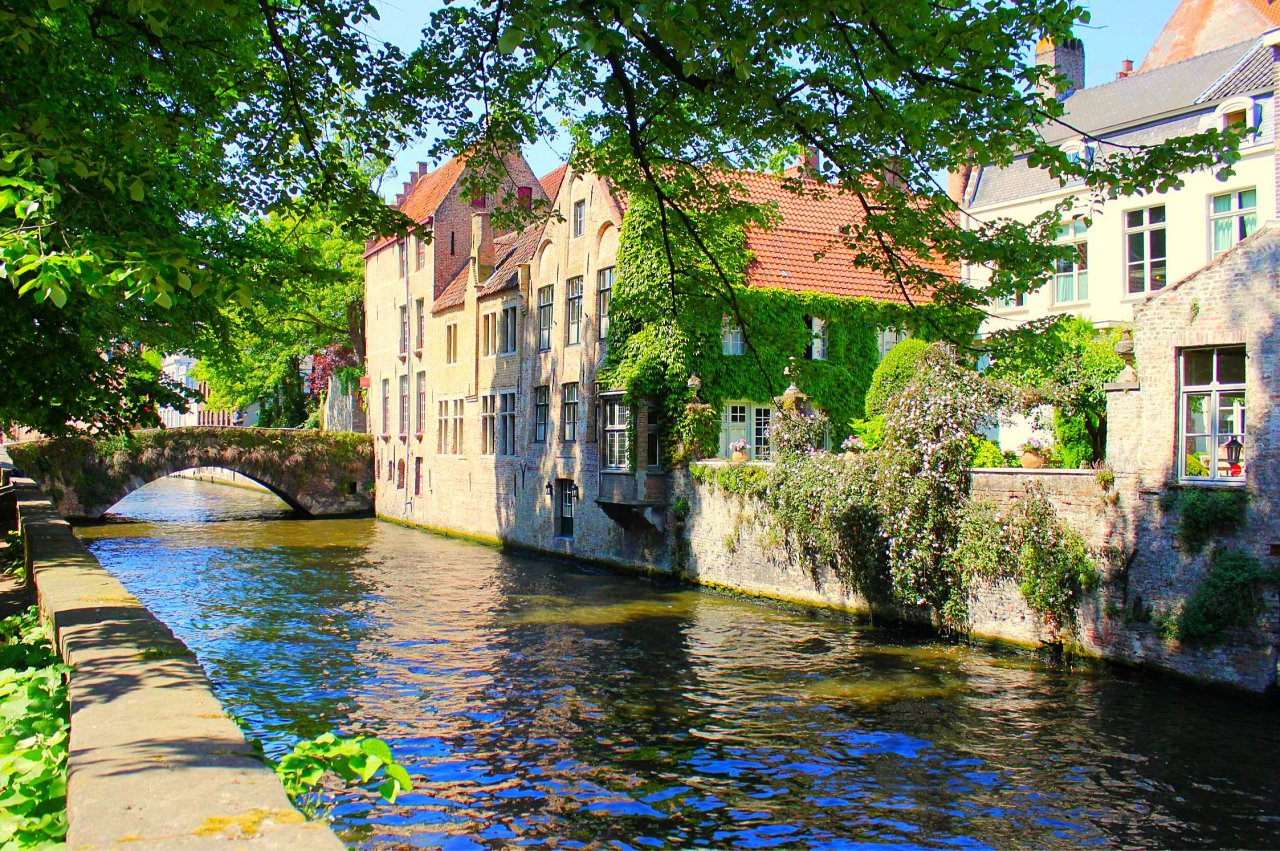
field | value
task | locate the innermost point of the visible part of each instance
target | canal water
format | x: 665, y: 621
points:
x: 542, y: 704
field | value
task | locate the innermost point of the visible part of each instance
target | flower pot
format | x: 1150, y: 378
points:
x: 1032, y: 460
x: 739, y: 456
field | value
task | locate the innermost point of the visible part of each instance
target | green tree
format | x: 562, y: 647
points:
x: 671, y: 97
x: 137, y: 138
x: 257, y: 351
x: 1068, y: 362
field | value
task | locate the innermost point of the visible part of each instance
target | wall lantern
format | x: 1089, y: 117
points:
x: 551, y: 490
x: 695, y: 383
x: 1234, y: 452
x: 573, y: 491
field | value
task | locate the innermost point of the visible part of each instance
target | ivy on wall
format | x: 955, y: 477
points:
x: 674, y: 294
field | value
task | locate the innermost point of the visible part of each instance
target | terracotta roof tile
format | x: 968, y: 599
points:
x: 519, y: 248
x: 1201, y: 26
x: 805, y: 250
x: 551, y: 181
x: 425, y: 195
x: 455, y: 293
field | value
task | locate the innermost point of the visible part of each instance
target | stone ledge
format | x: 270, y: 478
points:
x: 154, y: 760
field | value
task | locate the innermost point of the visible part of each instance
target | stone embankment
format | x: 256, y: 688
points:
x: 155, y: 763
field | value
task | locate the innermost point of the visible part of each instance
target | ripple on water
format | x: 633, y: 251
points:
x: 539, y: 705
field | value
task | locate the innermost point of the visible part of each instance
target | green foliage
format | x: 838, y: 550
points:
x: 34, y: 731
x: 12, y: 558
x: 1204, y: 513
x: 984, y: 453
x: 894, y: 372
x: 138, y: 143
x: 356, y: 761
x: 1226, y: 598
x: 1066, y: 361
x: 680, y: 508
x: 738, y: 479
x: 1028, y: 542
x: 658, y: 341
x: 1071, y: 440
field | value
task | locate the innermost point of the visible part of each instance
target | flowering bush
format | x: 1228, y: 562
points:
x: 853, y: 443
x: 793, y: 430
x: 1037, y: 446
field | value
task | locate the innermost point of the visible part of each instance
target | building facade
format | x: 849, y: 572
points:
x: 179, y: 368
x: 487, y: 415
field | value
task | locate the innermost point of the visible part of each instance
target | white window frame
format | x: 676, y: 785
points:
x: 1076, y: 235
x: 451, y: 344
x: 456, y: 445
x: 546, y: 307
x: 1214, y: 392
x: 604, y: 294
x: 386, y: 407
x: 489, y: 334
x: 1236, y: 215
x: 732, y: 341
x: 541, y: 412
x: 1148, y: 262
x: 507, y: 422
x: 818, y: 341
x: 616, y: 416
x: 488, y: 424
x: 569, y: 412
x: 421, y: 422
x: 507, y: 330
x: 573, y: 310
x: 579, y: 218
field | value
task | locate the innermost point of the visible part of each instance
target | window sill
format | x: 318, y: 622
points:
x: 404, y: 438
x: 1240, y: 482
x: 418, y: 436
x: 402, y: 357
x: 1063, y: 306
x: 386, y: 436
x: 417, y: 353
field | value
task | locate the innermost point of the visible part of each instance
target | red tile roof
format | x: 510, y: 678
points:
x: 1202, y: 26
x: 455, y: 293
x: 425, y: 196
x: 805, y: 251
x: 511, y: 249
x: 552, y: 180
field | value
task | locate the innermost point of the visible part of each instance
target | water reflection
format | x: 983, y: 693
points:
x: 542, y: 705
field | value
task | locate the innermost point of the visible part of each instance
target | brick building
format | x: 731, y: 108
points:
x: 483, y: 351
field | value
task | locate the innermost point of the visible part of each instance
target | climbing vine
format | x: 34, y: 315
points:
x: 671, y: 304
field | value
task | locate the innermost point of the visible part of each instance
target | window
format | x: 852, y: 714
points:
x: 573, y: 311
x: 569, y: 412
x: 404, y: 258
x: 817, y: 348
x: 890, y: 337
x: 1232, y: 217
x: 453, y: 245
x: 541, y: 412
x: 479, y: 201
x: 1008, y: 302
x: 420, y: 315
x: 451, y: 343
x: 391, y: 469
x: 442, y: 427
x: 386, y: 407
x: 455, y: 445
x: 1071, y: 274
x: 760, y: 435
x: 732, y: 342
x: 524, y: 196
x: 1212, y: 415
x: 417, y: 476
x: 579, y: 218
x: 400, y: 474
x: 488, y: 424
x: 564, y: 512
x: 1145, y: 250
x: 507, y: 331
x: 489, y: 334
x: 617, y: 434
x: 507, y: 423
x: 604, y: 283
x: 420, y: 425
x: 420, y: 259
x: 733, y: 427
x: 404, y: 329
x: 404, y: 406
x: 1235, y: 118
x: 652, y: 443
x: 544, y: 319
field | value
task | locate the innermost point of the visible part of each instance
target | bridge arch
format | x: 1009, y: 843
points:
x: 318, y: 474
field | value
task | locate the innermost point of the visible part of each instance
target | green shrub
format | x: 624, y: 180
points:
x: 1071, y: 439
x: 356, y: 760
x: 739, y: 479
x: 893, y: 374
x: 1227, y: 597
x: 984, y: 453
x: 871, y: 431
x: 34, y: 730
x: 1206, y: 512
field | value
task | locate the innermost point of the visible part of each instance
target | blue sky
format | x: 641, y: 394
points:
x: 1119, y: 30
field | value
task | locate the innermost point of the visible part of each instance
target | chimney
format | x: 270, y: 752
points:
x: 806, y: 165
x: 413, y: 177
x: 424, y: 168
x: 1126, y: 68
x: 958, y: 184
x: 481, y: 244
x: 1067, y: 60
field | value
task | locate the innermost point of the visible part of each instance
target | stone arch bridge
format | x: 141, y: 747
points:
x: 316, y: 473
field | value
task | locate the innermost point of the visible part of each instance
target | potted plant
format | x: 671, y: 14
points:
x: 1035, y: 452
x: 852, y: 445
x: 739, y: 448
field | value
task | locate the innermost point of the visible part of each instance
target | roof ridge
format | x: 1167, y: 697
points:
x: 1137, y: 75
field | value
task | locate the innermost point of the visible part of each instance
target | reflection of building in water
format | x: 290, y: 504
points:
x: 179, y: 367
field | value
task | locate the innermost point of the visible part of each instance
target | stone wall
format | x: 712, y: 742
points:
x: 154, y: 761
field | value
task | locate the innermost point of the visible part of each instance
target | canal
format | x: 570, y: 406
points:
x: 543, y: 704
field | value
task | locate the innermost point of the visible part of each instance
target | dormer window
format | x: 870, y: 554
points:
x: 1235, y: 118
x: 1238, y: 113
x: 1079, y: 152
